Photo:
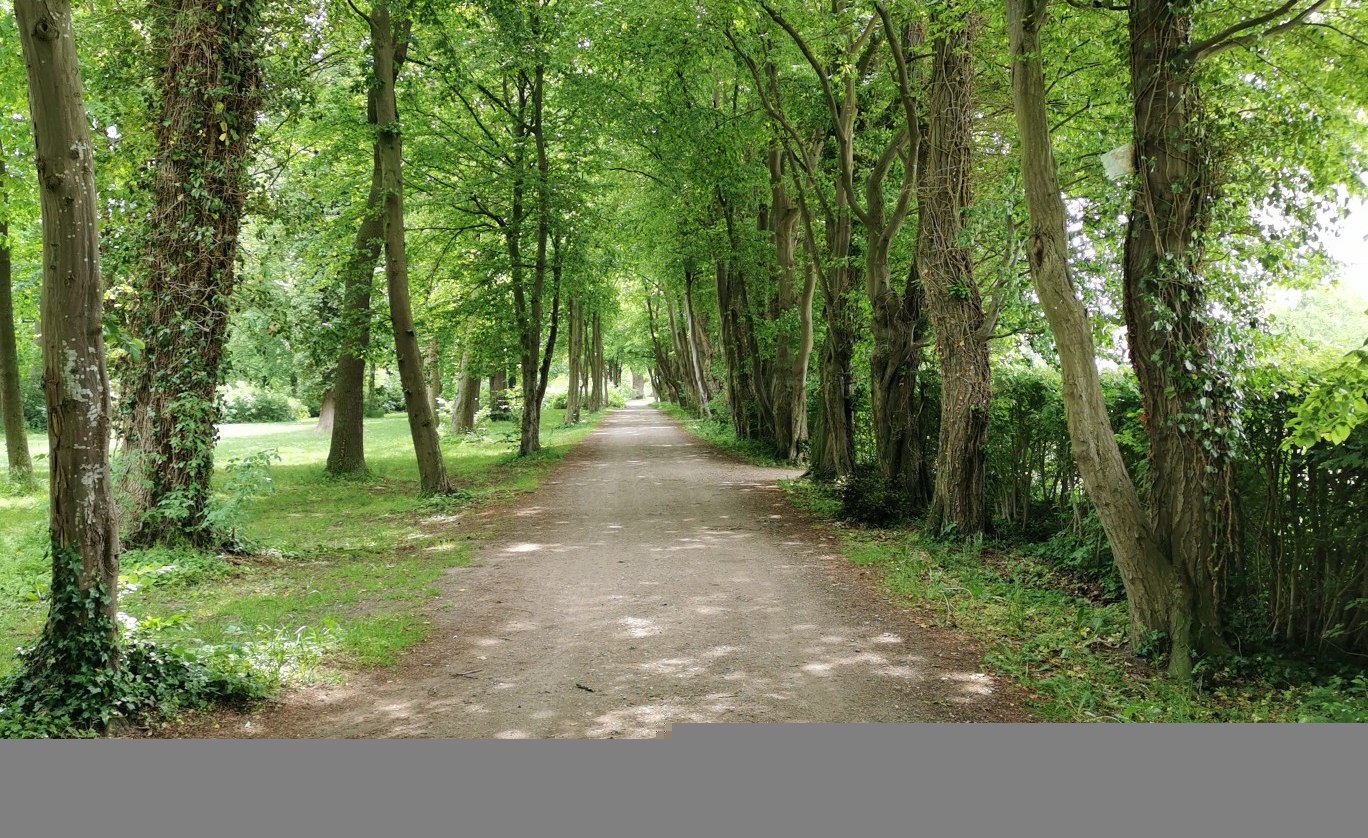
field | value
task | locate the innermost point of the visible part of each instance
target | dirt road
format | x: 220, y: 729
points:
x: 651, y: 580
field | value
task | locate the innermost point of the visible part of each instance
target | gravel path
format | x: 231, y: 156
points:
x: 651, y: 580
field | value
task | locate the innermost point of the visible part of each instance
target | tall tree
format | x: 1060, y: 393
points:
x: 1147, y: 571
x: 209, y: 101
x: 347, y: 450
x: 11, y: 404
x: 386, y: 35
x: 945, y: 263
x: 80, y: 636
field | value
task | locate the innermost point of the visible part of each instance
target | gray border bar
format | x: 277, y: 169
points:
x: 705, y: 780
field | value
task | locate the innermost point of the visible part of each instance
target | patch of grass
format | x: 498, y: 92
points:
x: 342, y: 571
x: 1071, y: 653
x: 718, y: 431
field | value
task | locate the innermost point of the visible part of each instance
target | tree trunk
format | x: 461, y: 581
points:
x: 327, y: 412
x: 347, y: 451
x: 387, y: 47
x: 80, y: 636
x: 209, y: 100
x: 900, y: 333
x: 499, y: 408
x: 833, y: 443
x: 793, y: 348
x: 596, y: 394
x: 959, y: 499
x: 694, y: 356
x: 1182, y: 386
x: 11, y: 402
x: 467, y: 391
x: 434, y: 377
x: 1154, y: 589
x: 574, y: 314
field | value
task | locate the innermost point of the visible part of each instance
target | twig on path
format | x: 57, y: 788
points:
x: 586, y: 689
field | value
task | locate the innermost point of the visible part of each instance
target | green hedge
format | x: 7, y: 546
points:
x: 240, y: 402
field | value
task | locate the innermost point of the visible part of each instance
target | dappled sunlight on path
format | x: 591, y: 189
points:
x: 650, y: 581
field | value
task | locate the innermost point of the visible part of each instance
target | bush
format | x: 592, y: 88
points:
x: 240, y: 402
x: 866, y: 498
x: 560, y: 401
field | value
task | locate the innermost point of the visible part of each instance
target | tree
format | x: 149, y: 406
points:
x: 209, y: 101
x: 956, y: 308
x: 11, y: 406
x: 1148, y: 573
x: 386, y: 36
x: 80, y: 637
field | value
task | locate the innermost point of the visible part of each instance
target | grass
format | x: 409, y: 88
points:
x: 1072, y: 653
x: 341, y: 571
x: 1069, y: 652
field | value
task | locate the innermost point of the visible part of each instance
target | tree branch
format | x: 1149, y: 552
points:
x: 1230, y: 37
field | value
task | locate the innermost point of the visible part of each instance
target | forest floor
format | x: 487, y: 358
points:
x: 651, y: 579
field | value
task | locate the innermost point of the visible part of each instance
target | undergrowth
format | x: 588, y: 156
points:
x: 1063, y: 635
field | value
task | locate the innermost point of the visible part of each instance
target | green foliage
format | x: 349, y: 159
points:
x: 246, y: 479
x: 1336, y: 405
x: 77, y: 680
x: 241, y: 402
x: 1070, y: 652
x: 867, y: 498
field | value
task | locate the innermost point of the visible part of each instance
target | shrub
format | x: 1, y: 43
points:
x: 240, y: 402
x: 560, y: 401
x: 866, y: 498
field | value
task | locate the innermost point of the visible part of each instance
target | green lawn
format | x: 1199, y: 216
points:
x: 341, y: 570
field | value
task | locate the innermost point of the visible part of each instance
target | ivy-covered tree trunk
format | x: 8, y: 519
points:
x: 900, y: 331
x: 833, y: 440
x: 1153, y: 583
x: 387, y: 52
x: 347, y: 451
x: 80, y: 637
x: 1165, y: 302
x: 209, y: 98
x: 791, y: 314
x: 467, y: 391
x: 11, y: 402
x: 959, y: 499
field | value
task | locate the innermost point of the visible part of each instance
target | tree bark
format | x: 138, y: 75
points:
x: 596, y: 393
x: 498, y: 403
x: 467, y: 389
x: 959, y: 499
x: 1165, y: 304
x: 209, y: 99
x: 793, y: 348
x: 347, y: 450
x: 574, y: 314
x: 327, y: 412
x: 387, y: 52
x: 11, y: 400
x: 83, y: 535
x: 1154, y: 587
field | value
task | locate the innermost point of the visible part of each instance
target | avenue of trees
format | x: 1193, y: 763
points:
x: 1002, y: 262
